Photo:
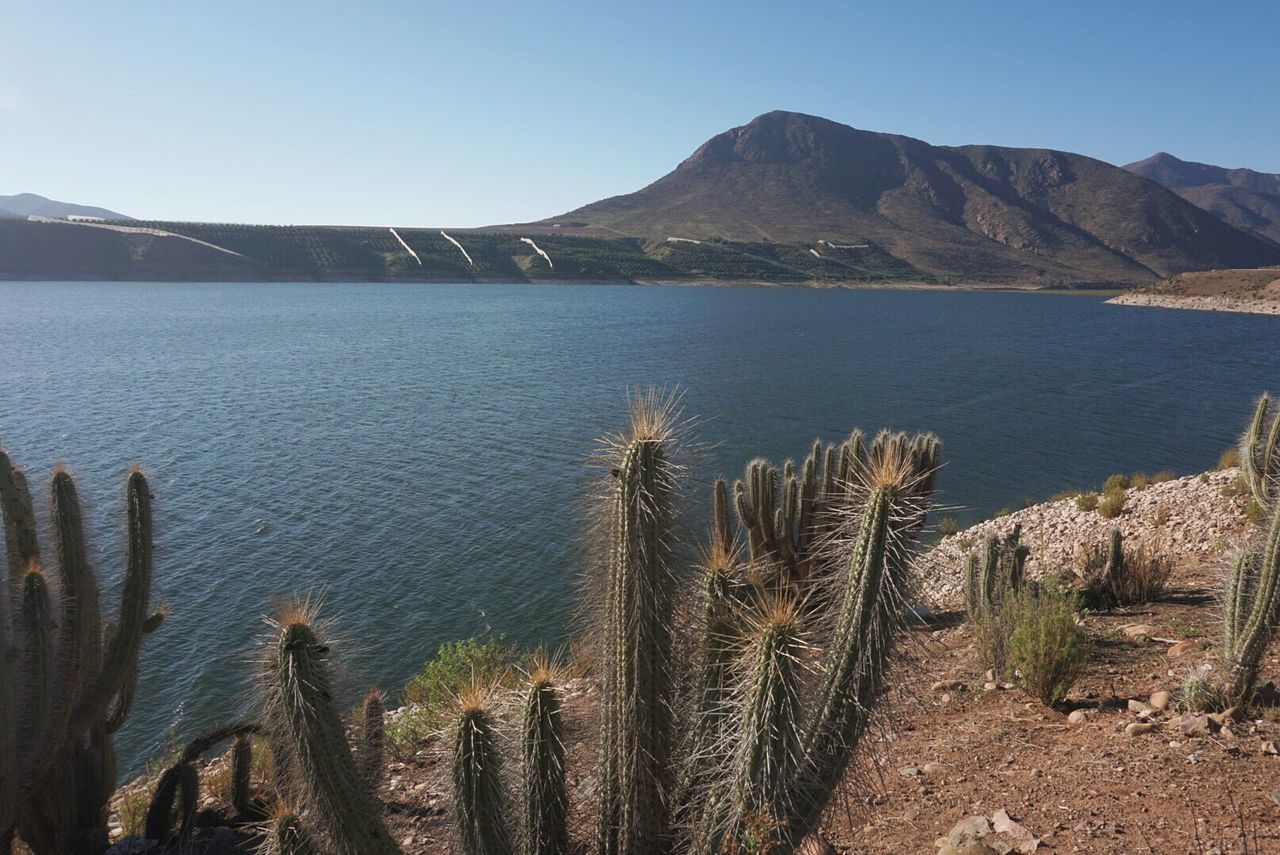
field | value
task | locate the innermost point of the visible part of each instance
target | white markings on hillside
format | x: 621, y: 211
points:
x: 459, y: 246
x: 395, y: 234
x: 538, y: 250
x: 129, y: 230
x: 683, y: 240
x: 845, y: 245
x: 814, y: 253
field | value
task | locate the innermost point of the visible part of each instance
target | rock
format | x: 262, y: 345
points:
x: 1194, y: 725
x: 1181, y: 647
x: 1269, y: 747
x: 1137, y: 728
x: 1223, y: 717
x: 1138, y: 631
x: 1023, y: 841
x: 815, y: 844
x: 989, y: 687
x: 966, y: 838
x: 936, y: 768
x: 1078, y: 717
x: 1136, y: 706
x: 1159, y: 700
x: 911, y: 771
x: 947, y: 686
x: 990, y: 676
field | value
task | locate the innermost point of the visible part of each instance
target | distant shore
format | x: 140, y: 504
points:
x: 1199, y: 303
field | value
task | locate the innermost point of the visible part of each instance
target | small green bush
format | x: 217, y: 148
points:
x: 1111, y: 505
x: 1087, y: 502
x: 1237, y: 487
x: 1046, y: 648
x: 458, y: 664
x: 1254, y: 511
x: 1163, y: 476
x: 948, y: 526
x: 1204, y: 477
x: 1115, y: 483
x: 1004, y: 512
x: 1139, y: 481
x: 1141, y: 577
x: 1063, y: 495
x: 1229, y: 458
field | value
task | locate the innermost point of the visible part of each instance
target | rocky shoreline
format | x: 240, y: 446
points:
x: 1199, y: 303
x: 1187, y: 518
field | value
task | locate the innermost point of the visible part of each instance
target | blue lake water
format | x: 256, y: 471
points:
x: 418, y: 451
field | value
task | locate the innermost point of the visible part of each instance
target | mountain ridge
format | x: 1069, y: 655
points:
x: 1244, y: 198
x: 976, y: 213
x: 32, y: 204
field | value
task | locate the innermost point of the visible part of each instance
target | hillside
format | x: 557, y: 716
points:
x: 1254, y: 290
x: 1244, y: 198
x: 968, y: 214
x: 28, y: 204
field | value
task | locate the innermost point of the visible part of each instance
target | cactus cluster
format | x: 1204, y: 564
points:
x: 1250, y: 609
x: 993, y: 571
x: 1260, y: 455
x: 67, y: 681
x: 735, y: 738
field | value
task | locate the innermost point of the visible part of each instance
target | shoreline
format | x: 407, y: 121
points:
x: 1198, y: 303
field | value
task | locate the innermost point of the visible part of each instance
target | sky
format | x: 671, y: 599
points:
x: 472, y: 113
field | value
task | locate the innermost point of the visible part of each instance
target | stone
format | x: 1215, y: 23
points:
x: 1078, y: 717
x: 1194, y: 725
x: 933, y: 768
x: 1159, y: 700
x: 1023, y: 841
x: 911, y: 771
x: 989, y: 687
x: 1269, y: 747
x: 1181, y: 647
x: 947, y: 686
x: 1223, y: 717
x: 815, y: 844
x: 966, y: 838
x: 1136, y: 706
x: 1138, y: 631
x: 1137, y: 728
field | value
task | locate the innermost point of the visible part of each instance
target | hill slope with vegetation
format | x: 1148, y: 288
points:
x: 1244, y: 198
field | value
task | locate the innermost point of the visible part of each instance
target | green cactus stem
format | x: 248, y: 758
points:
x: 1253, y: 597
x: 303, y: 717
x: 635, y: 707
x: 241, y: 774
x: 994, y: 571
x: 477, y: 779
x: 372, y: 738
x: 288, y: 835
x: 544, y: 800
x: 180, y: 779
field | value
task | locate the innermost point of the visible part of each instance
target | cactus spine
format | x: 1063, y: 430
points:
x: 477, y: 779
x: 544, y: 800
x: 287, y: 835
x: 1253, y: 597
x: 372, y: 738
x: 303, y: 717
x: 1260, y: 455
x: 75, y: 681
x: 636, y: 726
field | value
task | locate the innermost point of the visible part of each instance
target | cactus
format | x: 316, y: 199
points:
x: 304, y: 720
x: 181, y: 778
x: 372, y: 737
x: 544, y: 800
x: 241, y: 769
x: 996, y: 570
x: 1253, y: 596
x: 635, y: 712
x: 287, y: 835
x: 1260, y: 455
x: 896, y: 482
x: 477, y: 778
x: 74, y: 680
x: 769, y: 754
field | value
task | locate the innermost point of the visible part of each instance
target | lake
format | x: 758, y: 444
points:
x: 419, y: 452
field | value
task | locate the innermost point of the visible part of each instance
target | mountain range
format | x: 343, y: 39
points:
x: 29, y: 204
x: 786, y: 198
x: 974, y: 213
x: 1244, y: 198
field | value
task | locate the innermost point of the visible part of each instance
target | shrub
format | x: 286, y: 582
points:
x: 1161, y: 516
x: 1254, y: 511
x: 1046, y: 648
x: 459, y: 664
x: 948, y: 526
x: 1111, y: 505
x: 1004, y: 512
x: 1238, y: 487
x: 1163, y: 476
x: 1113, y: 576
x: 1115, y: 483
x: 1229, y: 459
x: 133, y: 811
x: 1139, y: 481
x: 1204, y: 478
x: 1087, y: 502
x: 1063, y: 495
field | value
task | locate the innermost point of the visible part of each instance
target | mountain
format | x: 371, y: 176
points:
x: 1246, y: 199
x: 28, y: 204
x: 970, y: 213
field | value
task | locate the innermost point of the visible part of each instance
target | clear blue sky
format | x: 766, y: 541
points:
x: 469, y: 113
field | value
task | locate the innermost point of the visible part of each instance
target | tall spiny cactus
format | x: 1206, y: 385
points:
x: 75, y: 681
x: 304, y: 720
x: 995, y: 570
x: 180, y: 779
x: 769, y: 750
x: 288, y: 835
x: 1251, y: 603
x: 544, y: 800
x: 1260, y: 455
x: 241, y: 775
x: 372, y: 737
x: 478, y: 807
x: 895, y: 484
x: 635, y: 707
